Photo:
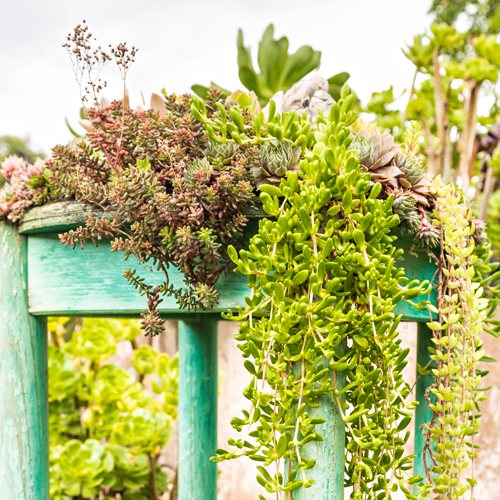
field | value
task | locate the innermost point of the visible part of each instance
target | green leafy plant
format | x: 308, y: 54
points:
x: 11, y: 145
x: 453, y: 70
x: 106, y: 429
x: 479, y: 16
x: 279, y: 70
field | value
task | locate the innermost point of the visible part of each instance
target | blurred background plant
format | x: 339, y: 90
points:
x: 452, y: 73
x: 453, y: 100
x: 279, y: 70
x: 11, y: 145
x: 108, y: 425
x: 480, y: 16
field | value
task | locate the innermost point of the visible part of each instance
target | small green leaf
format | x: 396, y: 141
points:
x: 488, y: 359
x: 361, y: 342
x: 271, y: 190
x: 300, y: 277
x: 306, y: 220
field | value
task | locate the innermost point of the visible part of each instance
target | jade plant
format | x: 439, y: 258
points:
x: 106, y: 427
x: 453, y: 71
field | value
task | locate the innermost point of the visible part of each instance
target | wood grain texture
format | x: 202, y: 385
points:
x: 59, y: 216
x: 328, y: 473
x: 67, y: 281
x: 24, y: 464
x: 66, y: 215
x: 63, y: 281
x: 198, y: 381
x: 423, y: 413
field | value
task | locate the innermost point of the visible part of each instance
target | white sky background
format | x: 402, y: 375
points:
x: 187, y: 42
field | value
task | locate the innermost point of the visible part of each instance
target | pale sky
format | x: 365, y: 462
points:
x: 187, y: 42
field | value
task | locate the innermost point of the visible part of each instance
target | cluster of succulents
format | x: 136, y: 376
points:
x: 107, y: 425
x: 180, y: 176
x: 180, y: 198
x: 17, y: 180
x: 402, y: 174
x: 387, y: 163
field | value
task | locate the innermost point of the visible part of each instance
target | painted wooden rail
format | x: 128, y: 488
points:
x: 40, y: 277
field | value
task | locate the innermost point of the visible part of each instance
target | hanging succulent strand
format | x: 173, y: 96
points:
x: 462, y: 309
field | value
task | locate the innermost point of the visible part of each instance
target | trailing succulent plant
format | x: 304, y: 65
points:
x: 324, y: 282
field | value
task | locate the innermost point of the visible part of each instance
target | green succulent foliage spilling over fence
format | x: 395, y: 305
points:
x: 325, y: 281
x: 279, y: 70
x: 106, y: 426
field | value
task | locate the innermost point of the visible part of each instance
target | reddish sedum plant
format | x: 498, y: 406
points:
x: 174, y: 197
x: 21, y: 185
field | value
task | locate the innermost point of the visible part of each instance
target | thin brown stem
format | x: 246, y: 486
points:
x: 153, y: 495
x: 412, y: 91
x: 469, y: 133
x: 438, y: 96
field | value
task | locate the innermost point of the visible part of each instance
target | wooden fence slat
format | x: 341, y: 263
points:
x: 423, y: 414
x: 198, y: 389
x: 24, y: 446
x: 328, y: 473
x: 64, y: 282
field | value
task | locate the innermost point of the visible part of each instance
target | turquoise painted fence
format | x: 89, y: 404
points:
x: 40, y: 277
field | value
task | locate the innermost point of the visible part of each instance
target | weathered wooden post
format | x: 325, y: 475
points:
x: 197, y: 421
x: 24, y: 445
x: 329, y: 454
x: 423, y: 414
x: 57, y: 285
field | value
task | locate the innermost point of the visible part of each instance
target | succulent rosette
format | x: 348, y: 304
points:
x: 276, y: 159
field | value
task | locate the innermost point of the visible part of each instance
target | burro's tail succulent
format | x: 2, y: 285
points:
x: 276, y: 159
